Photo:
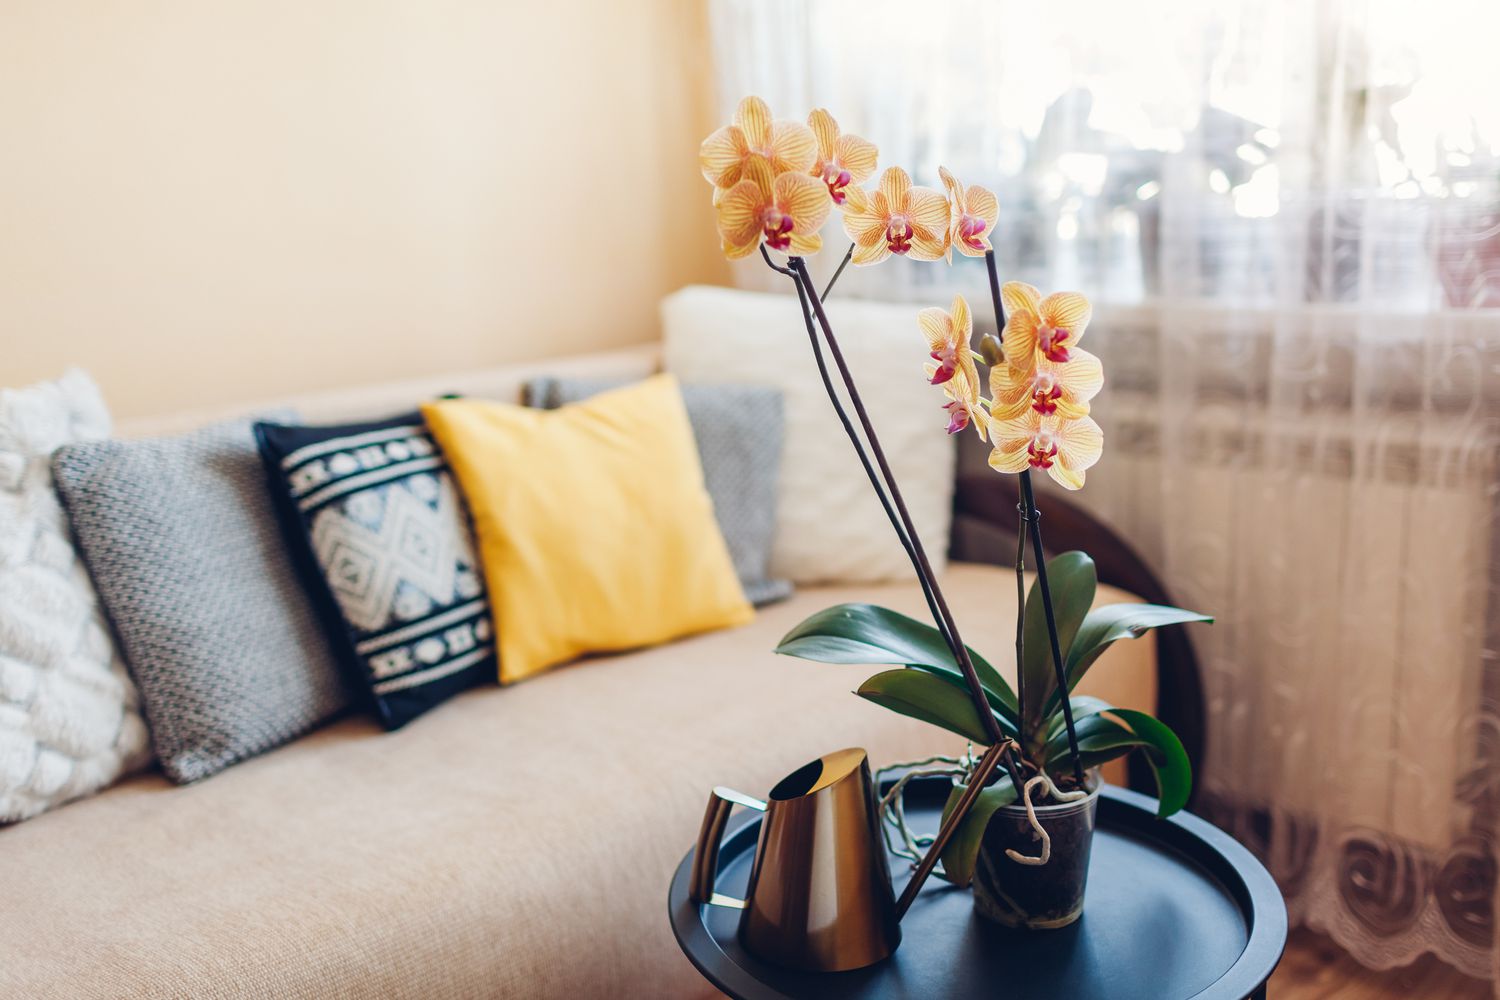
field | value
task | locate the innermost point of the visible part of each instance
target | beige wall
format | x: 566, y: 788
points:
x: 203, y: 201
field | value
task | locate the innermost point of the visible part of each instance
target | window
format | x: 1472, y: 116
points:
x: 1244, y: 152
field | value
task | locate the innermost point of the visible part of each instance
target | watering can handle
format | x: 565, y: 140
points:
x: 721, y: 801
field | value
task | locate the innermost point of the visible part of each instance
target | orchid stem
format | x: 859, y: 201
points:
x: 944, y: 616
x: 859, y: 450
x: 977, y: 780
x: 1032, y: 519
x: 917, y: 560
x: 848, y: 256
x: 895, y: 508
x: 1021, y: 620
x: 766, y: 256
x: 887, y: 493
x: 924, y: 567
x: 1034, y: 522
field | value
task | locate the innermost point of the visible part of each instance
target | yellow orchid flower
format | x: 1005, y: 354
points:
x: 972, y: 214
x: 1064, y: 389
x: 897, y: 218
x: 786, y: 210
x: 1064, y: 448
x: 964, y: 406
x: 843, y: 160
x: 948, y: 336
x: 788, y: 147
x: 1037, y: 328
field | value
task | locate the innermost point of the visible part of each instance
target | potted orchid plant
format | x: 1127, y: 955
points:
x: 1019, y: 820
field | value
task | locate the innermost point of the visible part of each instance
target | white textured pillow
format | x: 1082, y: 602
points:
x: 830, y: 526
x: 69, y: 722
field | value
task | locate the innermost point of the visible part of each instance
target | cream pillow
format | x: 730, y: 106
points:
x: 830, y: 526
x: 70, y: 721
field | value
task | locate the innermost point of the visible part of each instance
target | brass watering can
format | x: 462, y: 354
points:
x: 819, y: 896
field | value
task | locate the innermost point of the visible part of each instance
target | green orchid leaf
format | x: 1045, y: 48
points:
x: 931, y: 699
x: 1004, y: 716
x: 1103, y: 626
x: 1096, y: 733
x: 1168, y: 760
x: 962, y: 852
x: 1071, y: 580
x: 1083, y: 707
x: 865, y: 633
x: 1098, y: 758
x: 1104, y: 737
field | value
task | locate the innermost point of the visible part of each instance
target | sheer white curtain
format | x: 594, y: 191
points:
x: 1288, y: 215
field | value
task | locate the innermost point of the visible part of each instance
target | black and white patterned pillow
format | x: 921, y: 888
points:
x: 384, y: 546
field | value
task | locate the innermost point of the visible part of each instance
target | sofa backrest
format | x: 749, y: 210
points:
x: 382, y: 399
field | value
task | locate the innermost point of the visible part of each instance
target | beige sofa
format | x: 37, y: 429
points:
x: 514, y: 842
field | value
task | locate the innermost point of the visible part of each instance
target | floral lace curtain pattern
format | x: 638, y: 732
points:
x: 1288, y: 215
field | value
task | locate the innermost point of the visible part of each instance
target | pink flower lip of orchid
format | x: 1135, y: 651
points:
x: 1053, y: 342
x: 1045, y: 392
x: 947, y: 366
x: 958, y: 416
x: 898, y: 234
x: 970, y: 229
x: 1042, y: 450
x: 778, y: 228
x: 838, y: 180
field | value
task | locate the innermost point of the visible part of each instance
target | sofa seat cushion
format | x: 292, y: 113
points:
x: 516, y: 842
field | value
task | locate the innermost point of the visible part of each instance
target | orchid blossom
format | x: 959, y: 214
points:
x: 952, y: 365
x: 786, y: 146
x: 964, y: 406
x: 786, y: 210
x: 972, y: 213
x: 1039, y: 328
x: 1064, y: 389
x: 844, y: 161
x: 897, y: 219
x: 1064, y: 448
x: 948, y: 336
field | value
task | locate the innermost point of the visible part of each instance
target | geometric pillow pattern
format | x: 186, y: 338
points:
x: 70, y: 722
x: 386, y: 552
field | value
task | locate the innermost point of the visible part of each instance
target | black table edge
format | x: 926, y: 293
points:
x: 1226, y: 858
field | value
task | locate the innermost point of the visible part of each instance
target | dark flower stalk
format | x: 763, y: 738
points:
x: 889, y: 493
x: 848, y: 255
x: 914, y: 548
x: 1032, y: 520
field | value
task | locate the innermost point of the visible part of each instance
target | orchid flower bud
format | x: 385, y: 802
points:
x: 991, y: 350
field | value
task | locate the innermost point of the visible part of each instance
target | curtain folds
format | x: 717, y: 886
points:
x: 1288, y: 216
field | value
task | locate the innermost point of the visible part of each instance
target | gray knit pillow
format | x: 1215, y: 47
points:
x: 181, y: 539
x: 738, y: 430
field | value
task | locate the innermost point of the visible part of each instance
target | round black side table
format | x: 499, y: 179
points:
x: 1176, y: 909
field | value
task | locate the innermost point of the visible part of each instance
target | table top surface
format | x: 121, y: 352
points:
x: 1175, y: 908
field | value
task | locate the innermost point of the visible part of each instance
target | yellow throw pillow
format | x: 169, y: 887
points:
x: 594, y: 527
